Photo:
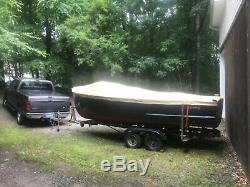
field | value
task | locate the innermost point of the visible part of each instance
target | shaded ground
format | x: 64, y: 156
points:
x: 15, y: 172
x: 180, y: 164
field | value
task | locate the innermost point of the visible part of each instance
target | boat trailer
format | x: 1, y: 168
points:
x: 154, y: 138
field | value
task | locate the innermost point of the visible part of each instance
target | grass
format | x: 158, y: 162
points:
x: 194, y: 164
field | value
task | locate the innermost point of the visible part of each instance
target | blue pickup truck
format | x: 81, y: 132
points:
x: 35, y: 99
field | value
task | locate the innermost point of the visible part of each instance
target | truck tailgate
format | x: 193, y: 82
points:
x: 44, y: 104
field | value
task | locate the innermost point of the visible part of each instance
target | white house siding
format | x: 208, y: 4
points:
x: 222, y: 82
x: 234, y: 30
x: 232, y: 8
x: 229, y: 12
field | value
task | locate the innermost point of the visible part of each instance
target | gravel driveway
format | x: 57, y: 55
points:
x: 18, y: 173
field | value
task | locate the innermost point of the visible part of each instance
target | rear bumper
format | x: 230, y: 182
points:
x: 41, y: 115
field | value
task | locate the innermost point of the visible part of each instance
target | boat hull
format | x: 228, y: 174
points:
x: 155, y: 116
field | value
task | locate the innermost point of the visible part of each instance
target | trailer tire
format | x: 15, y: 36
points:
x: 133, y: 140
x: 153, y: 142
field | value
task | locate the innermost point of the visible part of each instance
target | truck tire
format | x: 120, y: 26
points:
x: 153, y: 142
x: 132, y: 140
x: 20, y: 119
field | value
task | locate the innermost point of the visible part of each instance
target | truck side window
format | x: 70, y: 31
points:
x: 14, y: 84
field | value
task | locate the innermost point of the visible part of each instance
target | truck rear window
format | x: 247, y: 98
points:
x: 31, y: 85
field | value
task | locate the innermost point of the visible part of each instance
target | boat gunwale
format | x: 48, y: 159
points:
x: 155, y: 102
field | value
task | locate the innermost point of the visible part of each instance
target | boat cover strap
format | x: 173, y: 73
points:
x: 187, y: 116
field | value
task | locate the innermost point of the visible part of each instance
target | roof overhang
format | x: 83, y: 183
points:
x: 217, y: 9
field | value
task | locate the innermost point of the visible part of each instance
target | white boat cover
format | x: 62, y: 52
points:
x: 118, y: 92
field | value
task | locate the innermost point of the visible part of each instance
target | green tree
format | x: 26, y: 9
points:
x: 15, y: 41
x: 155, y: 39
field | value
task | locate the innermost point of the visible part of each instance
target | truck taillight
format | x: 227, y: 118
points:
x: 27, y: 105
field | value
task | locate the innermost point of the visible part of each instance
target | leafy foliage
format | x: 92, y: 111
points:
x: 154, y: 39
x: 15, y: 40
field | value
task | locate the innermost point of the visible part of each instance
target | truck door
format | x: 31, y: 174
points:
x: 12, y: 94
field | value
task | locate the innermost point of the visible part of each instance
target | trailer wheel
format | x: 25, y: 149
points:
x: 132, y: 140
x: 153, y: 142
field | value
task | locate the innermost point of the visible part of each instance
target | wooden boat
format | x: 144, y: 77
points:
x: 114, y: 104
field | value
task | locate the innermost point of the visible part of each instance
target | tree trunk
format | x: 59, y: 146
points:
x: 48, y: 37
x: 15, y: 69
x: 37, y: 74
x: 1, y: 68
x: 197, y: 79
x: 19, y: 69
x: 10, y: 74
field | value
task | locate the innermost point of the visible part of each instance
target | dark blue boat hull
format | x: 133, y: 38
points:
x: 155, y: 116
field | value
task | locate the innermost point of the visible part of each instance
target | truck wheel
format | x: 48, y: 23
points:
x: 133, y: 140
x: 20, y: 119
x: 153, y: 142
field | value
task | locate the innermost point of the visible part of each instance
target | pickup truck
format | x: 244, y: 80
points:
x: 35, y: 99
